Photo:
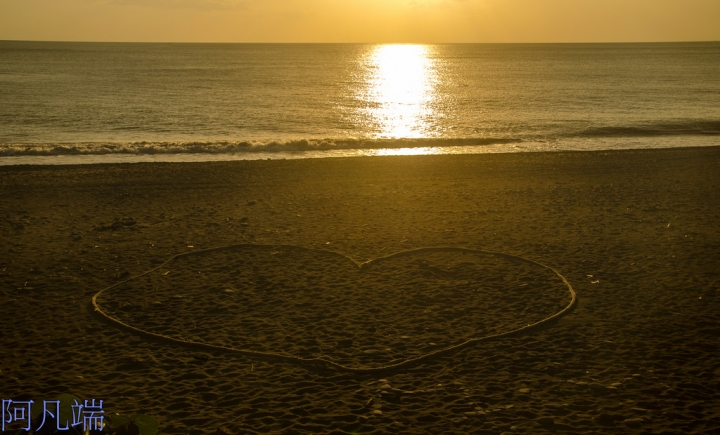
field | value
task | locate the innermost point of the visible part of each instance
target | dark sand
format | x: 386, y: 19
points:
x: 637, y: 234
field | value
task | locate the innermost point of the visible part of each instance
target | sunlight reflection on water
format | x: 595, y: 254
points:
x: 421, y: 151
x: 400, y: 91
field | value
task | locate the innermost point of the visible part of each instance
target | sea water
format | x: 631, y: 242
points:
x: 65, y: 102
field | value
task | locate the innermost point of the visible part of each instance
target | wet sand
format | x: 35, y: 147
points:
x: 636, y: 233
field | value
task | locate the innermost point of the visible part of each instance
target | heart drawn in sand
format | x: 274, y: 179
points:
x: 313, y: 305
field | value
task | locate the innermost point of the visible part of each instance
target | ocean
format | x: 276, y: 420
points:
x: 67, y: 102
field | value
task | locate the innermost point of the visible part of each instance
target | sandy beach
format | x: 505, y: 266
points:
x: 636, y: 233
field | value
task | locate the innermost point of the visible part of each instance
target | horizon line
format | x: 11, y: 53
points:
x: 359, y: 43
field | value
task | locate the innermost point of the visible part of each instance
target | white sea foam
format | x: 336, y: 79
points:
x: 180, y: 154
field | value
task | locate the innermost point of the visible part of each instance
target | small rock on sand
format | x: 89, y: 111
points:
x: 634, y: 423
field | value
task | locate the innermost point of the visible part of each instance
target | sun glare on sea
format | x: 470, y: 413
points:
x: 400, y: 90
x: 420, y: 151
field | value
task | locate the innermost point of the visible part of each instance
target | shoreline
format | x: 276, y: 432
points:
x: 634, y: 231
x: 175, y: 153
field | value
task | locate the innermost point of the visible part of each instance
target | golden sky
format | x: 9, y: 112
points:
x: 399, y: 21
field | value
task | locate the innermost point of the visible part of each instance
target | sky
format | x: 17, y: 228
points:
x: 370, y: 21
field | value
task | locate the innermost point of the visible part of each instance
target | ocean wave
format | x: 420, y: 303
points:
x: 235, y: 147
x: 706, y: 128
x: 666, y: 128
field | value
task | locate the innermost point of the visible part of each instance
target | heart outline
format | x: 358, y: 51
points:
x: 319, y: 362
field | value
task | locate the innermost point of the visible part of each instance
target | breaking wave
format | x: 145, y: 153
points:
x: 654, y: 131
x: 668, y: 128
x: 234, y: 147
